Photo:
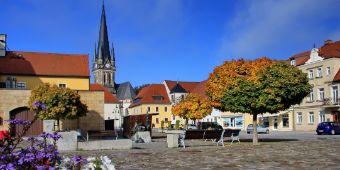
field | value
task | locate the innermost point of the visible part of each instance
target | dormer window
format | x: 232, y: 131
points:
x: 158, y: 98
x: 293, y: 62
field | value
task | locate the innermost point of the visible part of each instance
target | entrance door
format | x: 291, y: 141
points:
x: 275, y: 122
x: 24, y: 113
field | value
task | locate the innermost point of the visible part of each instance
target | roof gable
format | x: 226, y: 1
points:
x: 178, y: 89
x: 152, y: 94
x: 188, y: 86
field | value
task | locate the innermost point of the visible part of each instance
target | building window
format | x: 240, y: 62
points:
x: 148, y: 108
x: 311, y: 117
x: 319, y: 72
x: 157, y: 120
x: 182, y: 97
x: 173, y: 117
x: 173, y: 98
x: 21, y: 85
x: 293, y: 62
x: 311, y: 74
x: 322, y: 117
x: 62, y: 85
x: 165, y: 109
x: 321, y: 94
x: 311, y: 96
x: 2, y: 84
x: 328, y: 71
x: 335, y: 95
x: 166, y: 120
x: 299, y: 118
x: 156, y: 109
x: 285, y: 120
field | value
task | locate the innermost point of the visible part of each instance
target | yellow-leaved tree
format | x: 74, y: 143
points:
x: 192, y: 107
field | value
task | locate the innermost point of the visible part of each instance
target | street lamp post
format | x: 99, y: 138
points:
x: 147, y: 123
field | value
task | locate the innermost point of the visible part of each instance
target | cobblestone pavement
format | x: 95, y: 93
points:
x: 321, y: 152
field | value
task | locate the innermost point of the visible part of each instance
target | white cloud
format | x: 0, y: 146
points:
x: 275, y: 28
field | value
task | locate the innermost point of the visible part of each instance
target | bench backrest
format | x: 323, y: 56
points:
x: 231, y: 132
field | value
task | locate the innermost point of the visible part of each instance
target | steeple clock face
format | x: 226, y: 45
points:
x: 107, y: 65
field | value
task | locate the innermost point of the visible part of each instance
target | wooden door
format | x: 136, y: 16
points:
x: 25, y: 114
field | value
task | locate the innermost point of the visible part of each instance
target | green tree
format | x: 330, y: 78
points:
x: 60, y: 103
x: 257, y: 87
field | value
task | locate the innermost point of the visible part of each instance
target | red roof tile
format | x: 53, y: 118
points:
x: 44, y: 64
x: 330, y: 50
x: 200, y: 89
x: 188, y: 86
x: 108, y: 97
x: 152, y: 94
x: 337, y: 76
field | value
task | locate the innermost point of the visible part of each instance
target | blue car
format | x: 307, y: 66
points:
x: 328, y: 128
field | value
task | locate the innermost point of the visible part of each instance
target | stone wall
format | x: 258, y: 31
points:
x: 11, y: 99
x: 94, y: 120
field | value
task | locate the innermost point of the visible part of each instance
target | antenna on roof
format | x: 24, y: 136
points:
x: 314, y: 45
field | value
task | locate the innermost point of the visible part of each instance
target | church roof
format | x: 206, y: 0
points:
x: 108, y: 97
x: 125, y: 91
x: 44, y: 64
x: 151, y: 94
x: 103, y: 51
x: 178, y: 89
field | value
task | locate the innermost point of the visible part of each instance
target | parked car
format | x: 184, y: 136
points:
x: 192, y: 126
x: 260, y: 129
x: 328, y: 128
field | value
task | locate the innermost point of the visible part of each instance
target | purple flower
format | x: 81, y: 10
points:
x: 78, y: 160
x: 40, y: 105
x: 18, y: 121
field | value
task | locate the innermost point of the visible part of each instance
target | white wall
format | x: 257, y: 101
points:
x: 112, y: 111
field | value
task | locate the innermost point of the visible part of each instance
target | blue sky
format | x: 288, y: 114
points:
x: 158, y: 40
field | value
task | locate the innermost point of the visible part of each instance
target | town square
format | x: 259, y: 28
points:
x: 169, y: 84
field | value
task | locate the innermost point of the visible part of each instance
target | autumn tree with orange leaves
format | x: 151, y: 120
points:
x: 256, y: 87
x: 192, y: 107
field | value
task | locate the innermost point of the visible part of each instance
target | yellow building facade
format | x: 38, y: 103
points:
x: 159, y: 112
x: 30, y: 82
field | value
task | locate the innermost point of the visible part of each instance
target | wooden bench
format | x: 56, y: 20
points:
x: 214, y: 135
x: 101, y: 134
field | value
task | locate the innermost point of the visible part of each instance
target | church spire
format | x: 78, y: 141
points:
x: 103, y: 42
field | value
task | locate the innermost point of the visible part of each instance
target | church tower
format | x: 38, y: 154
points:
x: 103, y: 68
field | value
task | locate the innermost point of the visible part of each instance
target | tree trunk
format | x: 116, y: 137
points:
x: 255, y: 136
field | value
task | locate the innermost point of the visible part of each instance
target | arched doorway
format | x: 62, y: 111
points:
x: 23, y: 113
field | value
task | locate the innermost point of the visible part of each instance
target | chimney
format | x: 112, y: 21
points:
x: 2, y: 45
x: 328, y: 42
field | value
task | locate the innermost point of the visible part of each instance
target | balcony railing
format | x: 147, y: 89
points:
x: 331, y: 101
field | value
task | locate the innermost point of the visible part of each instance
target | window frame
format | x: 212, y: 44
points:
x: 62, y: 84
x: 321, y: 94
x: 299, y: 118
x: 311, y: 74
x: 319, y: 72
x: 311, y: 118
x: 328, y: 71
